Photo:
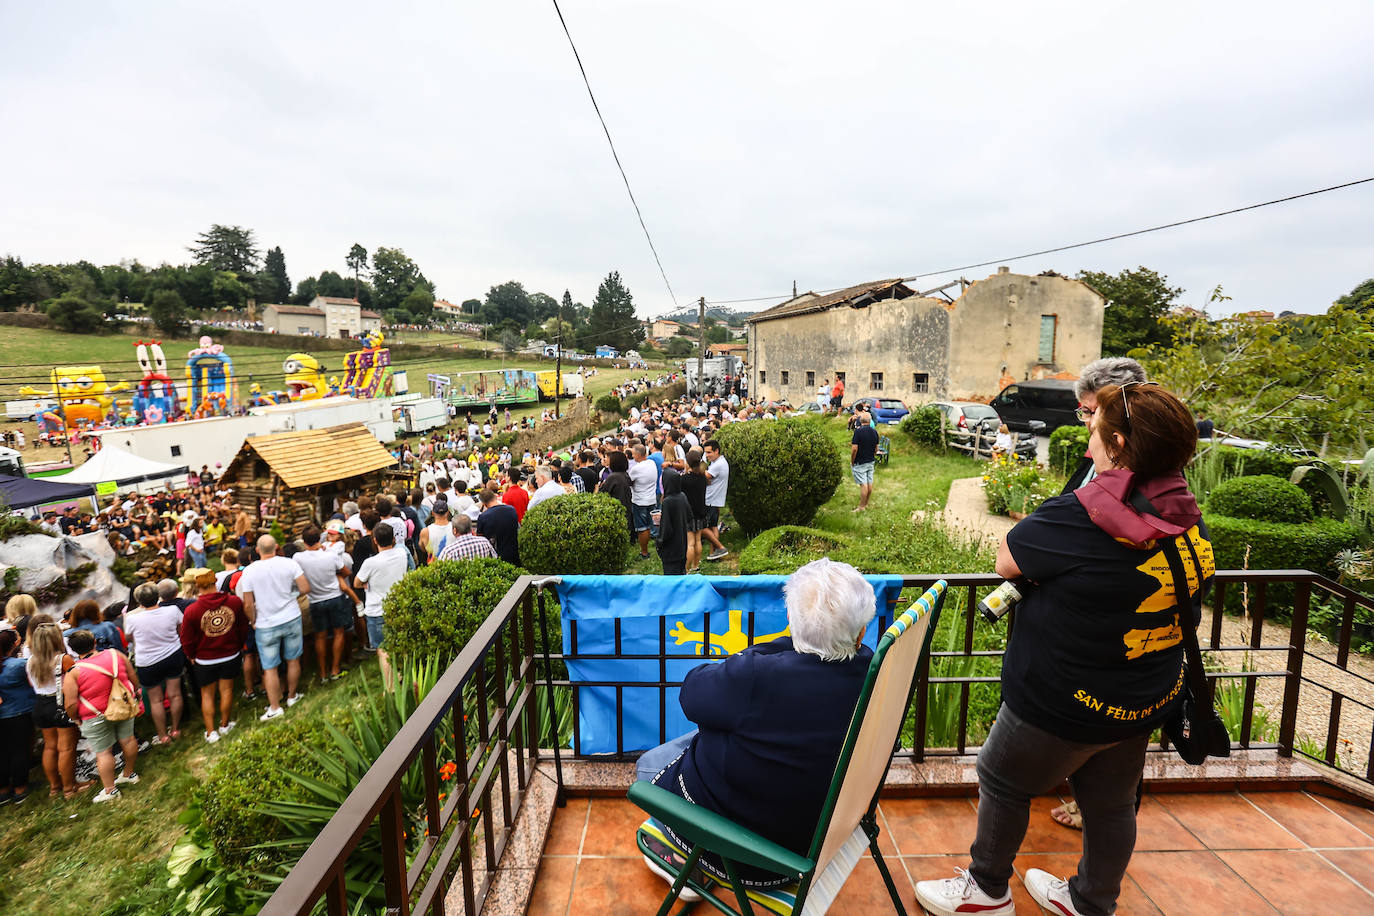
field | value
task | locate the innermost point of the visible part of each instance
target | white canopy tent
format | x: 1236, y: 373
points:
x: 124, y: 469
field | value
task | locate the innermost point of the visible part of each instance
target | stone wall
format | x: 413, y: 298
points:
x: 25, y: 320
x: 575, y: 423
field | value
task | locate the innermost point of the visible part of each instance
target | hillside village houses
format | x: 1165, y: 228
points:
x: 325, y: 316
x: 887, y: 340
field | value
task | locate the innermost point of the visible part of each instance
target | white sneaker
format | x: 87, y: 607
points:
x: 211, y: 737
x: 226, y: 729
x: 292, y: 701
x: 273, y: 712
x: 961, y: 894
x: 105, y: 795
x: 687, y: 896
x: 130, y: 780
x: 1050, y: 892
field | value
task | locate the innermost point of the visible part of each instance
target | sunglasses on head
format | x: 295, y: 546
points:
x: 1125, y: 402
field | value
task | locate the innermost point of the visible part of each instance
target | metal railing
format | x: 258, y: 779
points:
x: 485, y: 712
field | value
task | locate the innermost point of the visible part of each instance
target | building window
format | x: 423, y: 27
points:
x: 810, y: 380
x: 784, y: 376
x: 920, y: 382
x: 875, y: 381
x: 1047, y: 330
x: 176, y: 451
x: 839, y: 376
x: 763, y: 377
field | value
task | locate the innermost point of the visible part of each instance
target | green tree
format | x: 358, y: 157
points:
x: 1361, y: 297
x: 612, y: 320
x: 19, y: 285
x: 717, y: 333
x: 227, y: 248
x: 678, y: 347
x: 168, y: 310
x: 274, y: 268
x: 1137, y: 300
x: 507, y: 301
x: 73, y: 313
x: 357, y: 262
x: 394, y: 275
x: 419, y: 303
x: 472, y: 307
x: 553, y: 329
x: 510, y: 340
x: 542, y: 307
x: 306, y: 291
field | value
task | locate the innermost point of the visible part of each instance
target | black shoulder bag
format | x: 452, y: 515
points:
x: 1194, y: 728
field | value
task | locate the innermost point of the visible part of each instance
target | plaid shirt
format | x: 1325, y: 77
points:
x: 578, y: 485
x: 468, y: 547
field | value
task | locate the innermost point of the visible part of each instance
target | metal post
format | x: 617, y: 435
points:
x: 62, y: 409
x: 1297, y: 645
x: 558, y: 357
x: 701, y: 346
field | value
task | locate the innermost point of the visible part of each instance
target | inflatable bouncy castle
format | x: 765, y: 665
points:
x: 155, y: 397
x: 304, y: 380
x: 210, y: 383
x: 367, y: 372
x: 83, y: 392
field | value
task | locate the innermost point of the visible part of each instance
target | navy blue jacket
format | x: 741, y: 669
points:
x: 15, y: 690
x: 771, y: 721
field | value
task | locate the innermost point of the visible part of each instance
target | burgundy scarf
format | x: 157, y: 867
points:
x: 1106, y: 497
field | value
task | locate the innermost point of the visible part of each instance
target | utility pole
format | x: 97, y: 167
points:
x: 558, y: 359
x: 701, y: 346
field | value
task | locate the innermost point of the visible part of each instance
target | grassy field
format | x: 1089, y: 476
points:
x: 61, y: 857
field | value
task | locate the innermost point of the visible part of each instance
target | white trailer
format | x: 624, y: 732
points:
x: 573, y: 384
x: 374, y: 413
x: 420, y: 415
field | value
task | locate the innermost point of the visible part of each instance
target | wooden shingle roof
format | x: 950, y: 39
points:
x: 814, y: 302
x: 315, y: 456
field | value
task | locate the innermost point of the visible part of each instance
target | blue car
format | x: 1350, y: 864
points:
x: 884, y: 410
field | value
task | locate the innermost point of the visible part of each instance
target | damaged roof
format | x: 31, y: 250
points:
x: 853, y: 296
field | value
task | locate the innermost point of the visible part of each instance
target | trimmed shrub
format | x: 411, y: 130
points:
x: 1263, y: 497
x: 781, y: 550
x: 608, y: 403
x: 580, y: 534
x: 434, y: 610
x: 923, y: 425
x: 252, y: 769
x: 1067, y: 445
x: 1240, y: 543
x: 781, y: 471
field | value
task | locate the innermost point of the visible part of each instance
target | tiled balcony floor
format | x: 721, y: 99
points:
x: 1227, y: 853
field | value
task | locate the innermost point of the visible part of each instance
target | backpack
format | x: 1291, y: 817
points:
x: 123, y: 704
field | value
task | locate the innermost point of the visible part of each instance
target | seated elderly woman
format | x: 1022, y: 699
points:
x: 771, y: 719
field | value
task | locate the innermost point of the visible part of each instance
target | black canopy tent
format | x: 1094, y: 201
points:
x: 22, y: 492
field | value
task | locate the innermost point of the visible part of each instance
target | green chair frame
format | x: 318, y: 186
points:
x: 736, y: 845
x: 884, y: 450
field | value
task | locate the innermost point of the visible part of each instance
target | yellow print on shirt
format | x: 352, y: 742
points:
x: 1156, y: 566
x: 1143, y: 642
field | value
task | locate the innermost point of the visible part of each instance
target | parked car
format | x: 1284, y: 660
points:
x: 810, y: 407
x: 1051, y: 401
x: 974, y: 426
x: 884, y: 410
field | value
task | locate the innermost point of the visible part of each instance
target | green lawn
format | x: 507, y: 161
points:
x: 61, y: 857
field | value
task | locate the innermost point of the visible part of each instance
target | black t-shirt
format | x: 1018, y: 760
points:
x: 1205, y: 428
x: 1097, y: 653
x: 866, y: 438
x: 363, y: 548
x: 590, y: 477
x: 500, y: 524
x: 694, y: 488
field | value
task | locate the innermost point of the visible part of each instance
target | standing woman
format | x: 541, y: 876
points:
x: 1096, y: 661
x: 16, y: 722
x: 195, y: 545
x: 694, y: 488
x: 86, y: 696
x: 617, y: 484
x: 48, y: 665
x: 155, y: 636
x: 212, y: 636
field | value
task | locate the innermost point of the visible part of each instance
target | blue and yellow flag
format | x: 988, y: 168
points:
x: 607, y: 618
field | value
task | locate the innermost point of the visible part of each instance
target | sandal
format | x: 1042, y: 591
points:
x: 1068, y: 815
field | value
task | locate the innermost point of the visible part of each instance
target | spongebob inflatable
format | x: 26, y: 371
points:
x: 84, y: 393
x: 304, y: 380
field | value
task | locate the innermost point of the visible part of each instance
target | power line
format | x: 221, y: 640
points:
x: 1109, y: 238
x: 614, y: 154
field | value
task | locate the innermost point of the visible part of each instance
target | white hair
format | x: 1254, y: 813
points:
x: 1110, y: 370
x: 828, y: 606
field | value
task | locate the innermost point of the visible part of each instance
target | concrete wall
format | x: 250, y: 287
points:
x: 894, y: 337
x: 996, y: 323
x: 292, y: 324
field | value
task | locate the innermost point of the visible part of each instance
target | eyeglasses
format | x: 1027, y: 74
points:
x: 1125, y: 402
x: 1084, y: 414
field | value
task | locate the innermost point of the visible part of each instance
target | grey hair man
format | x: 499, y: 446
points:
x: 270, y: 588
x: 1096, y: 375
x: 547, y: 487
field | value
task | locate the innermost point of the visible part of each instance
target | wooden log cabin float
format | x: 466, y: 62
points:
x: 295, y: 477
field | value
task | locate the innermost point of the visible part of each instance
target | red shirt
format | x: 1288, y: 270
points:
x: 518, y: 498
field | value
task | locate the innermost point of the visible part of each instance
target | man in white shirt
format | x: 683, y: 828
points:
x: 548, y: 487
x: 332, y: 601
x: 378, y: 574
x: 270, y: 602
x: 717, y: 483
x: 643, y: 496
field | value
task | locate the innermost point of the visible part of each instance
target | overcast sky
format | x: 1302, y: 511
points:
x: 826, y: 143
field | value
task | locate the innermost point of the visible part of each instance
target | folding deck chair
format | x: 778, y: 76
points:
x: 848, y: 822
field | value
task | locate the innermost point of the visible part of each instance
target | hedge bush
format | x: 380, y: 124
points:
x: 923, y: 425
x: 781, y: 471
x: 608, y: 403
x: 781, y: 550
x: 434, y: 610
x: 1242, y: 543
x: 1263, y: 497
x: 579, y: 534
x: 253, y: 769
x: 1067, y: 445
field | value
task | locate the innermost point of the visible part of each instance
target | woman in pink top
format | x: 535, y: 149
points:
x: 85, y: 697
